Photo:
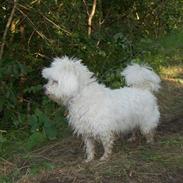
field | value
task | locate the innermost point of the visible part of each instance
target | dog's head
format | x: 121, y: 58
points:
x: 66, y: 76
x: 62, y: 80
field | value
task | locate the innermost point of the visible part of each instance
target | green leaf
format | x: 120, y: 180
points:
x: 36, y: 139
x: 34, y: 123
x: 50, y: 130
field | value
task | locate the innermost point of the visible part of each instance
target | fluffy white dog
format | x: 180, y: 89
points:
x: 97, y: 112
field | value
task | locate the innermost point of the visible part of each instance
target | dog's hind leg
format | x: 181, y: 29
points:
x: 90, y: 148
x: 107, y: 144
x: 133, y: 136
x: 149, y: 135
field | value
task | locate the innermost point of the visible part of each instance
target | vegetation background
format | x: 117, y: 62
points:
x: 106, y: 35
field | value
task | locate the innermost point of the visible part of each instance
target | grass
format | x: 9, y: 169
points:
x: 61, y: 160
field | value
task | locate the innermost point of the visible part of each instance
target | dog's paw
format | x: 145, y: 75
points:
x: 104, y: 158
x: 131, y: 139
x: 88, y: 160
x: 150, y: 141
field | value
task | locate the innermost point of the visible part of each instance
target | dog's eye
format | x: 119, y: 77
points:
x: 55, y: 82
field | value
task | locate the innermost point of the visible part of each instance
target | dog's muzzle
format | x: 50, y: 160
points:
x: 45, y: 90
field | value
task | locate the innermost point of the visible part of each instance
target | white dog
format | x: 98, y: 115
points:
x: 97, y: 112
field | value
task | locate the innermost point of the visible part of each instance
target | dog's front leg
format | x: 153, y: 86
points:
x: 107, y: 144
x: 90, y: 148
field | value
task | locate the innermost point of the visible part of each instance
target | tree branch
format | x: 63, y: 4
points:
x: 6, y: 28
x: 86, y: 7
x: 90, y: 17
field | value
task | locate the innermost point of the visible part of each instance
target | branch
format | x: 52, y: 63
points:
x: 57, y: 26
x: 86, y: 7
x: 33, y: 26
x: 3, y: 131
x: 48, y: 20
x: 7, y: 27
x: 90, y: 17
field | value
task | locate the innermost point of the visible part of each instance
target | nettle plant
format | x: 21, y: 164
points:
x: 24, y: 107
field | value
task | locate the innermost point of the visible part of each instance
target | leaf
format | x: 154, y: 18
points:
x: 35, y: 139
x: 50, y: 130
x: 48, y: 126
x: 34, y: 123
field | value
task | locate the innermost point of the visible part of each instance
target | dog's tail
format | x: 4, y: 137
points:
x: 141, y: 77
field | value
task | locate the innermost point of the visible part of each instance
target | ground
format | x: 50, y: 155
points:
x: 61, y: 161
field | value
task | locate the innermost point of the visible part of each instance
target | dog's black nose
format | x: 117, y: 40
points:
x: 44, y: 89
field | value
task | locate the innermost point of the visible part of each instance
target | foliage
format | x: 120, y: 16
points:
x: 122, y: 31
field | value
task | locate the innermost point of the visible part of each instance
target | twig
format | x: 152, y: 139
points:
x: 48, y: 20
x: 23, y: 167
x: 148, y: 173
x: 86, y: 7
x: 7, y: 27
x: 57, y: 26
x: 3, y: 131
x: 41, y: 156
x: 44, y: 149
x: 90, y: 17
x: 8, y: 162
x: 34, y: 27
x: 42, y: 55
x: 30, y: 38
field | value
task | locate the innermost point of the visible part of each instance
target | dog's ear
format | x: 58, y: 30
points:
x: 50, y: 73
x: 69, y: 84
x: 45, y: 73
